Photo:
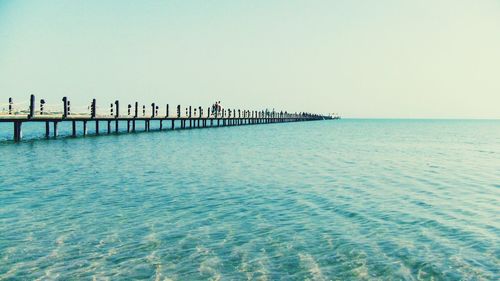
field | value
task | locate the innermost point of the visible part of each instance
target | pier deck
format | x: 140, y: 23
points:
x: 197, y: 119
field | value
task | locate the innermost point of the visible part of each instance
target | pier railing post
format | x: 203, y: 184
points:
x: 65, y: 107
x: 93, y: 109
x: 32, y: 107
x: 117, y: 105
x: 10, y: 106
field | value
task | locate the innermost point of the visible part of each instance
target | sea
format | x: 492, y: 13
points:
x: 350, y: 199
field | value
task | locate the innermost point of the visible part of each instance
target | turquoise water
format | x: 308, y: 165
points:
x: 341, y: 200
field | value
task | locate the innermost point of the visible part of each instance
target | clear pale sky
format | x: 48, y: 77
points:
x: 384, y: 58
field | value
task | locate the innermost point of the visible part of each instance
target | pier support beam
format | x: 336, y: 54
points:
x: 97, y: 127
x: 73, y: 123
x: 55, y: 130
x: 47, y: 129
x: 84, y: 128
x: 18, y: 132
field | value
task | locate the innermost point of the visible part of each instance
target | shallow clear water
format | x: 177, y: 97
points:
x: 342, y: 200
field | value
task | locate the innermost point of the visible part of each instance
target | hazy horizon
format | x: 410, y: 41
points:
x: 362, y: 59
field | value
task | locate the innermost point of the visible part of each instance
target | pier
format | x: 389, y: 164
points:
x: 188, y: 117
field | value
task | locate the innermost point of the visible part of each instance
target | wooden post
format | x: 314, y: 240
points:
x: 173, y: 124
x: 128, y: 126
x: 190, y: 121
x: 74, y: 128
x: 10, y: 106
x: 55, y: 130
x: 42, y: 103
x: 47, y: 129
x: 109, y: 127
x: 65, y: 107
x: 18, y: 132
x: 32, y: 107
x: 84, y: 128
x: 117, y: 107
x: 93, y: 109
x: 161, y: 124
x: 15, y: 132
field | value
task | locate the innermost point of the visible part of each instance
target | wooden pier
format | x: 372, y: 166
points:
x: 197, y: 118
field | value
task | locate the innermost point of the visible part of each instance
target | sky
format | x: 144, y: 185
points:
x: 359, y: 58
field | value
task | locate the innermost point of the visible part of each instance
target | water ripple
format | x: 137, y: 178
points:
x: 347, y: 200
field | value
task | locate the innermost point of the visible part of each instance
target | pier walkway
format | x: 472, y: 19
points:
x: 180, y: 119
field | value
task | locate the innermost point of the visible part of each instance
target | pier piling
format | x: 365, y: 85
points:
x: 73, y: 128
x: 84, y: 128
x: 47, y: 129
x: 56, y: 132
